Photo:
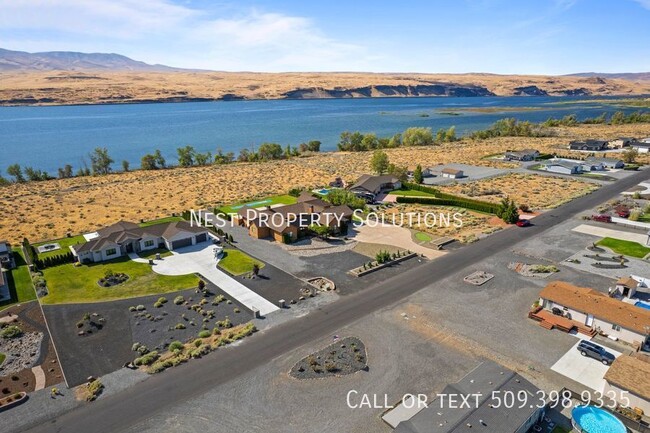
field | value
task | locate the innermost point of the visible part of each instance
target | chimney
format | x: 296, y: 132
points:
x: 311, y: 209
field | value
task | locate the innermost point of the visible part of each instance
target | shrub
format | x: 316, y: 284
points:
x: 176, y: 345
x: 157, y: 304
x: 179, y: 300
x: 162, y: 300
x: 140, y: 307
x: 179, y: 326
x: 93, y: 389
x: 204, y: 334
x: 198, y: 342
x: 11, y: 331
x: 236, y: 310
x: 147, y: 359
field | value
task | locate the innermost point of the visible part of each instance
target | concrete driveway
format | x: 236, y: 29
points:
x: 388, y: 234
x: 604, y: 232
x: 582, y: 369
x: 200, y: 259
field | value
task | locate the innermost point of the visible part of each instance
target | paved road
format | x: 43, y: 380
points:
x: 150, y: 398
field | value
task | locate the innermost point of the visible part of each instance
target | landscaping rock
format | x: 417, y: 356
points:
x: 341, y: 358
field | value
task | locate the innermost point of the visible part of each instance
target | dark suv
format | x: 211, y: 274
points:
x: 587, y: 348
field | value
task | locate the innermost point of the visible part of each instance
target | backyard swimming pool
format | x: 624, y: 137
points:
x: 642, y: 304
x: 590, y: 419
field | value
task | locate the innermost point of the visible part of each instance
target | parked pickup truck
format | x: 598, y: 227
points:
x: 623, y: 212
x: 602, y: 218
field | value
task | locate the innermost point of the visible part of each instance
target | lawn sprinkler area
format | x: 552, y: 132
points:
x: 269, y: 201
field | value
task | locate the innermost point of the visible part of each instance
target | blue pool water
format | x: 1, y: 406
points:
x: 323, y: 191
x: 642, y: 305
x: 591, y: 419
x: 50, y: 137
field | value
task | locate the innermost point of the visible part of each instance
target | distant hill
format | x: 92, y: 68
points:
x: 72, y: 61
x: 631, y: 76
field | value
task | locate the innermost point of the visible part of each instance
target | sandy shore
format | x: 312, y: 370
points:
x: 46, y: 210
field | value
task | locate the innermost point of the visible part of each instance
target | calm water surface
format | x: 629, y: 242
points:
x: 50, y: 137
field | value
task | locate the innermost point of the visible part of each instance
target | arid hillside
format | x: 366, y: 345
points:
x: 56, y: 87
x: 50, y: 209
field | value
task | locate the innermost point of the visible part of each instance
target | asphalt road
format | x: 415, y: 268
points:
x: 150, y: 398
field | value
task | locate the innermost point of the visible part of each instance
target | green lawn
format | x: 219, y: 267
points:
x: 170, y: 219
x: 151, y: 254
x: 20, y: 283
x: 64, y: 243
x: 411, y: 193
x: 71, y: 284
x: 268, y: 201
x: 626, y: 248
x: 237, y: 263
x: 422, y: 237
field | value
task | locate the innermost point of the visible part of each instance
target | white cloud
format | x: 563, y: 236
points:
x: 644, y: 3
x: 158, y: 30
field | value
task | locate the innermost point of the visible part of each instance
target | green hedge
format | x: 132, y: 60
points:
x: 457, y: 202
x: 50, y: 261
x: 443, y: 199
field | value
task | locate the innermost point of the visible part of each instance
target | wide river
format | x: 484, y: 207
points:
x: 50, y: 137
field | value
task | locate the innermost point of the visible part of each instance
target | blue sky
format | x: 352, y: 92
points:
x: 455, y: 36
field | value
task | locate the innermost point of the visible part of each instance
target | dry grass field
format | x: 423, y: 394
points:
x: 119, y: 87
x: 538, y: 192
x: 51, y: 209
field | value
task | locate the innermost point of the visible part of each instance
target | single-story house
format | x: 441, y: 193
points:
x: 452, y: 173
x: 621, y: 142
x: 628, y: 378
x: 592, y: 166
x: 597, y: 311
x: 374, y: 185
x: 521, y: 155
x: 642, y: 146
x: 589, y: 145
x: 479, y: 387
x: 562, y: 166
x: 125, y: 237
x: 605, y: 162
x: 626, y: 287
x: 288, y: 223
x: 6, y: 256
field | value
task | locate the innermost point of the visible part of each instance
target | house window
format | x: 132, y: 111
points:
x: 148, y: 243
x: 111, y: 252
x: 616, y: 327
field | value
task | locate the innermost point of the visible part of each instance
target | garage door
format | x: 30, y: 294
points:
x: 201, y: 238
x: 181, y: 243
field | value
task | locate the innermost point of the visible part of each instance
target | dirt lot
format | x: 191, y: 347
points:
x: 47, y: 210
x: 30, y: 319
x: 109, y: 349
x: 538, y: 192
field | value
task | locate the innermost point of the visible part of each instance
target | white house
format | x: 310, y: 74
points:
x: 452, y: 173
x: 628, y: 379
x: 562, y: 166
x: 125, y: 237
x: 605, y: 162
x: 642, y: 146
x: 597, y: 311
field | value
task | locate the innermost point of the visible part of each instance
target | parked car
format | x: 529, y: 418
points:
x: 523, y: 223
x: 623, y: 212
x: 592, y: 350
x: 602, y: 218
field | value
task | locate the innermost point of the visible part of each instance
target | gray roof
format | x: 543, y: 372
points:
x: 124, y: 231
x: 563, y: 163
x: 372, y: 183
x: 593, y: 159
x: 522, y: 152
x: 485, y: 380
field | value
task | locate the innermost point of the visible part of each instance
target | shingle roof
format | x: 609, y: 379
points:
x: 562, y: 163
x: 631, y: 374
x: 486, y: 379
x: 603, y: 160
x: 123, y: 231
x: 449, y: 170
x: 372, y: 183
x: 628, y: 281
x: 597, y: 304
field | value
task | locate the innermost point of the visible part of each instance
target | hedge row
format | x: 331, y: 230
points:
x: 443, y: 199
x: 50, y: 261
x: 457, y: 202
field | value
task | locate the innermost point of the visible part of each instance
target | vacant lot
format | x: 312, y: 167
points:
x: 538, y: 192
x: 76, y: 284
x: 51, y: 209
